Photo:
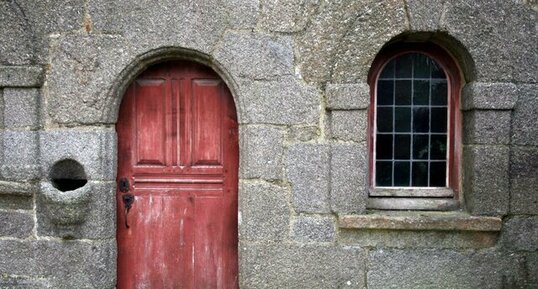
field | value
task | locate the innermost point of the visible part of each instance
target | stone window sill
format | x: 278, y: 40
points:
x: 420, y: 221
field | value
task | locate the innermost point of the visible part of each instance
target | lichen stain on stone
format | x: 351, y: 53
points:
x: 88, y: 24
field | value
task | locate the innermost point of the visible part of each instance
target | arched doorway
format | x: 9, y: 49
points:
x: 177, y: 180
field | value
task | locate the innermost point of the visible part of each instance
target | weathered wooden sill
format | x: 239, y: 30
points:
x: 421, y: 221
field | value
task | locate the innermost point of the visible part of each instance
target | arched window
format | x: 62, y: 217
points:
x: 414, y: 128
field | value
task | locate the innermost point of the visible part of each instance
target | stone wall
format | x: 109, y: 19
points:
x: 298, y: 72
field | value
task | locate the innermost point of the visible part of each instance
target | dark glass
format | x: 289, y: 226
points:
x: 438, y: 147
x: 402, y: 146
x: 384, y: 119
x: 420, y: 174
x: 421, y: 92
x: 384, y: 147
x: 404, y: 66
x: 439, y: 117
x: 383, y: 174
x: 385, y: 92
x: 402, y: 122
x: 401, y: 174
x: 403, y: 92
x: 388, y: 70
x: 437, y: 71
x: 439, y: 92
x: 420, y: 147
x: 438, y: 174
x: 421, y: 119
x: 421, y: 66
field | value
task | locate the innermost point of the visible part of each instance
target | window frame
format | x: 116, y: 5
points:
x: 419, y: 198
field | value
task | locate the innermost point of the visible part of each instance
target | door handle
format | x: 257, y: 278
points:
x: 128, y: 200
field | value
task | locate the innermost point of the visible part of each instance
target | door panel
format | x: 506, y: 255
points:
x: 178, y: 148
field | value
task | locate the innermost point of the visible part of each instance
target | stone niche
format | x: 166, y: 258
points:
x: 66, y: 194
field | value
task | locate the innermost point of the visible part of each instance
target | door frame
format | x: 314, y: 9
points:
x: 139, y: 64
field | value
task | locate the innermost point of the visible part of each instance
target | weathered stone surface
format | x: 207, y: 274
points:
x: 242, y: 14
x: 287, y: 101
x: 21, y: 109
x: 525, y: 117
x: 195, y: 25
x: 65, y: 264
x: 14, y: 202
x: 17, y: 43
x: 302, y: 133
x: 485, y: 179
x: 486, y: 127
x: 429, y: 268
x: 349, y: 125
x: 21, y: 76
x: 480, y: 95
x: 308, y: 173
x: 524, y: 180
x: 286, y: 16
x: 263, y: 149
x: 317, y: 47
x: 500, y: 36
x: 383, y: 20
x: 20, y: 155
x: 43, y: 21
x: 446, y: 221
x: 349, y: 169
x: 532, y: 267
x: 348, y: 96
x: 95, y: 149
x: 1, y: 113
x: 336, y: 45
x: 417, y: 239
x: 17, y: 196
x: 255, y: 56
x: 424, y: 15
x: 61, y: 216
x: 309, y: 229
x: 521, y: 233
x: 23, y: 282
x: 83, y: 70
x: 264, y: 211
x: 16, y: 224
x: 17, y: 188
x: 290, y: 266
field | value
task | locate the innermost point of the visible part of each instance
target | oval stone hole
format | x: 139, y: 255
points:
x: 67, y: 175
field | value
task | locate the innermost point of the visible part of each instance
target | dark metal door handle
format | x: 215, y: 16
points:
x: 124, y: 185
x: 128, y: 200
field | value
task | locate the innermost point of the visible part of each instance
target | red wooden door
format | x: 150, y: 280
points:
x: 178, y: 150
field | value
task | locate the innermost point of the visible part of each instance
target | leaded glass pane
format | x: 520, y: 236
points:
x: 402, y: 123
x: 404, y: 66
x: 388, y: 71
x: 420, y: 147
x: 420, y: 174
x: 384, y: 147
x: 385, y: 92
x: 402, y: 146
x: 438, y: 119
x: 421, y: 119
x: 403, y: 92
x: 421, y: 66
x: 384, y: 119
x: 439, y: 92
x: 421, y: 92
x: 438, y: 147
x: 437, y: 174
x: 383, y: 172
x: 401, y: 174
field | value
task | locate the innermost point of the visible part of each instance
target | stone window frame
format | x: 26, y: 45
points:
x: 415, y: 198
